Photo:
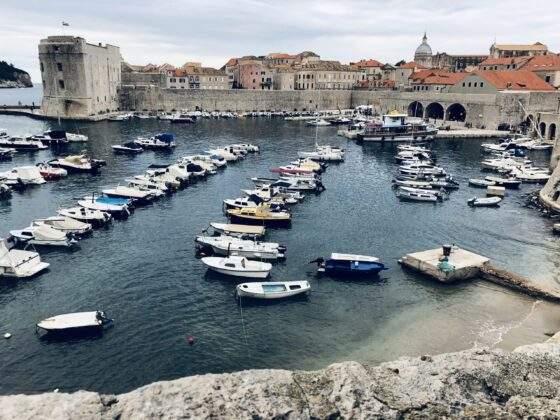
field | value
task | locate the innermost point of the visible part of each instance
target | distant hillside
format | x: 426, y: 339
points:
x: 11, y: 77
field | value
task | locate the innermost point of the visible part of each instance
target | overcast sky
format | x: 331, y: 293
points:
x: 211, y: 32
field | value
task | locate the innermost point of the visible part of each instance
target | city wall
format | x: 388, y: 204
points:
x: 482, y: 110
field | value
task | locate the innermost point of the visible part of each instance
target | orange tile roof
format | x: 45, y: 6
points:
x: 437, y: 77
x: 514, y: 80
x: 504, y: 61
x: 411, y: 65
x: 367, y: 63
x: 543, y: 62
x: 232, y: 62
x: 280, y: 55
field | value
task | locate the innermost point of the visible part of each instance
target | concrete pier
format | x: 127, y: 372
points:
x: 471, y: 133
x: 467, y: 265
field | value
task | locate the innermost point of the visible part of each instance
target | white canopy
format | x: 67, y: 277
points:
x: 353, y: 257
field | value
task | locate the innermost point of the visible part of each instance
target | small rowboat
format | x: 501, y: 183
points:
x: 484, y: 202
x: 75, y: 321
x: 272, y: 290
x: 130, y: 147
x: 238, y: 230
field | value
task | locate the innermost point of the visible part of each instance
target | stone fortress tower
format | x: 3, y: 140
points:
x: 80, y: 80
x: 423, y: 54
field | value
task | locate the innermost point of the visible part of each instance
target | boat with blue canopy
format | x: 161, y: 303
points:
x: 349, y: 264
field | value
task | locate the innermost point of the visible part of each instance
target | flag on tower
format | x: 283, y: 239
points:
x: 65, y: 23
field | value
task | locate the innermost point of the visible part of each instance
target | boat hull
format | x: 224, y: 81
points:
x: 247, y: 220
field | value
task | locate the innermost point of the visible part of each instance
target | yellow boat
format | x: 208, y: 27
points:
x: 260, y: 215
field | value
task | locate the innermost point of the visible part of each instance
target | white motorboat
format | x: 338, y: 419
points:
x: 120, y: 117
x: 76, y: 137
x: 239, y: 231
x: 238, y: 266
x: 416, y: 196
x: 264, y: 192
x: 272, y: 290
x: 510, y: 182
x: 19, y: 263
x: 23, y: 175
x: 207, y: 167
x: 135, y: 194
x: 480, y: 183
x: 86, y: 215
x: 251, y: 148
x: 224, y: 154
x: 422, y: 168
x: 398, y: 127
x: 242, y: 202
x: 50, y: 173
x: 78, y: 163
x: 216, y: 160
x: 484, y: 201
x: 161, y: 175
x: 150, y: 183
x: 75, y: 321
x: 323, y: 155
x: 42, y: 235
x: 530, y: 175
x: 20, y: 143
x: 159, y: 141
x: 117, y: 207
x: 536, y: 144
x: 298, y: 184
x: 65, y: 224
x: 228, y: 245
x: 127, y: 148
x: 438, y: 193
x: 318, y: 122
x: 411, y: 148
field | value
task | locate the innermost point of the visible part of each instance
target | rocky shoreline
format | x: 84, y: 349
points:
x: 472, y: 383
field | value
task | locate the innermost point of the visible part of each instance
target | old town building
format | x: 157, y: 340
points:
x: 517, y: 50
x: 423, y: 54
x: 326, y: 75
x: 547, y: 67
x: 194, y: 76
x: 434, y: 80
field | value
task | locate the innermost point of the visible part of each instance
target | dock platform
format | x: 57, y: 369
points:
x: 465, y: 264
x: 472, y: 133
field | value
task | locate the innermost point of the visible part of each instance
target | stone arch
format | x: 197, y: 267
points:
x: 552, y: 131
x: 456, y: 112
x: 435, y: 110
x: 416, y: 109
x: 542, y: 128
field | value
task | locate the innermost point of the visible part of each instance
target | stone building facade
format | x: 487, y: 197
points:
x: 327, y: 75
x: 518, y: 50
x: 80, y: 80
x: 194, y: 76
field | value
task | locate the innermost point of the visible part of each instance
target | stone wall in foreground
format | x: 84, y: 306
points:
x: 477, y: 383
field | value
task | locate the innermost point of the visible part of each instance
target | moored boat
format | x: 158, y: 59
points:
x: 94, y: 217
x: 349, y: 264
x: 19, y: 263
x: 78, y: 163
x: 484, y: 201
x: 127, y: 148
x: 261, y: 215
x: 237, y: 266
x: 272, y: 290
x: 75, y: 321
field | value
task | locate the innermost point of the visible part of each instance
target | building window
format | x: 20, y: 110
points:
x: 172, y: 80
x: 475, y: 84
x: 59, y: 66
x: 547, y: 79
x: 61, y: 84
x: 181, y: 80
x: 55, y: 48
x: 463, y: 84
x: 42, y: 68
x: 481, y: 84
x: 469, y: 84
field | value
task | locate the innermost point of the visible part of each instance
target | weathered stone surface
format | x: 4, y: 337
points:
x: 477, y: 383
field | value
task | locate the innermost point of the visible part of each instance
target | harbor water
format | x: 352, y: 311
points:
x: 144, y: 274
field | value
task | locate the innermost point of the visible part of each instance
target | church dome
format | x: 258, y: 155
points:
x: 424, y: 48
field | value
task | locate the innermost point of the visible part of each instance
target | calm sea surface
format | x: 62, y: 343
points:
x: 144, y: 274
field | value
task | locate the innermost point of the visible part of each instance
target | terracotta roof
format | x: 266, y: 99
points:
x: 537, y: 46
x: 436, y: 77
x: 543, y: 63
x: 514, y: 80
x: 280, y: 55
x: 411, y: 65
x: 504, y: 61
x: 232, y: 62
x: 367, y: 63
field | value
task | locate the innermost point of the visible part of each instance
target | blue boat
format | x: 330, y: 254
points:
x: 350, y: 264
